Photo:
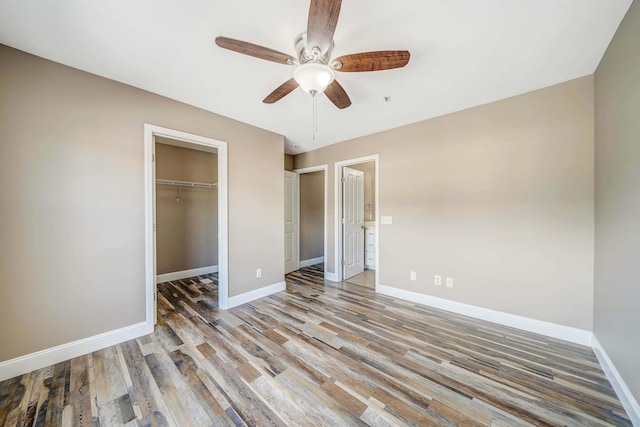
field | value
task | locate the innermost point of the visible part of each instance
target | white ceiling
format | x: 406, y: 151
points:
x: 463, y: 53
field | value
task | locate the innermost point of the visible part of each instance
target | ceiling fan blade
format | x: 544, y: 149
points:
x: 337, y: 95
x: 281, y: 91
x: 323, y: 18
x: 255, y: 50
x: 373, y: 61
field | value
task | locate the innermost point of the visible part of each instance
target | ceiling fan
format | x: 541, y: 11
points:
x: 314, y: 71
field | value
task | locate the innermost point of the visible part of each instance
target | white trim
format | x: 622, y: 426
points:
x: 50, y: 356
x: 149, y: 225
x: 337, y: 169
x: 256, y: 293
x: 206, y: 144
x: 312, y: 261
x: 177, y: 275
x: 624, y: 394
x: 553, y: 330
x: 324, y: 168
x: 332, y: 277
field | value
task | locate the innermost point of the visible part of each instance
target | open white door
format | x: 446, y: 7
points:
x: 353, y: 222
x: 290, y: 222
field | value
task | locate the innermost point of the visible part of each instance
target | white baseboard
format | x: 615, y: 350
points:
x: 177, y: 275
x: 312, y: 261
x: 257, y: 293
x: 553, y: 330
x: 40, y: 359
x: 624, y: 394
x: 332, y: 277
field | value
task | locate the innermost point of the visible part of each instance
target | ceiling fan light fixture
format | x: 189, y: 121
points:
x: 313, y: 77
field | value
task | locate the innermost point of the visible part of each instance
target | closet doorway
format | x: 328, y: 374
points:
x: 312, y: 216
x: 186, y: 212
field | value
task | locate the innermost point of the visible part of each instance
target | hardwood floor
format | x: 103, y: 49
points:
x: 318, y: 354
x: 367, y: 279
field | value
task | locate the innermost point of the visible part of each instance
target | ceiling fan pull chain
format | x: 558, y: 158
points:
x: 314, y: 113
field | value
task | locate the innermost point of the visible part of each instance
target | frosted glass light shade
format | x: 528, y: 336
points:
x: 313, y: 77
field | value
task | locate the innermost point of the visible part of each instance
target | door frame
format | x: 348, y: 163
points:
x: 150, y: 132
x: 321, y: 168
x: 338, y: 243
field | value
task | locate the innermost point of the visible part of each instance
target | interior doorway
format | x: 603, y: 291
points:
x: 186, y: 211
x: 312, y: 215
x: 352, y: 222
x: 173, y: 140
x: 356, y: 229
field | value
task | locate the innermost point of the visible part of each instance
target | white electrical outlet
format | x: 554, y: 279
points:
x: 258, y: 273
x: 449, y: 282
x: 437, y: 280
x: 412, y: 275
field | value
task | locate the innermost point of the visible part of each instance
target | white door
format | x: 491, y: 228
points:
x: 353, y: 222
x: 290, y: 222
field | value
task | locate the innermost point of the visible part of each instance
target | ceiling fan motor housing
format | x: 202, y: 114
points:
x: 311, y: 54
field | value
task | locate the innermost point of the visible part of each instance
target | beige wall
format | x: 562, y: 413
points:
x: 311, y: 215
x: 369, y: 169
x: 617, y: 201
x: 186, y: 229
x: 288, y: 162
x: 498, y: 197
x: 72, y: 228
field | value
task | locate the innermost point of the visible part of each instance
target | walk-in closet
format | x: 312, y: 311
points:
x: 186, y: 213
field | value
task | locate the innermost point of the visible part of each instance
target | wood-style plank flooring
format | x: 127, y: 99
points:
x: 367, y: 279
x: 320, y: 353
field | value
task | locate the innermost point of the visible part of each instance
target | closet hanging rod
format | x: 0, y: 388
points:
x: 187, y: 183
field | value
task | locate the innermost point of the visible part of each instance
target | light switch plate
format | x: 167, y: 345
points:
x: 386, y: 220
x: 449, y: 282
x: 437, y: 280
x: 412, y: 275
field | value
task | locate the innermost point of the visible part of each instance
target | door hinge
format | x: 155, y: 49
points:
x: 343, y: 180
x: 153, y: 157
x: 343, y: 221
x: 343, y: 263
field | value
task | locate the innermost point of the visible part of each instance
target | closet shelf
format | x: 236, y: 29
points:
x: 187, y: 183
